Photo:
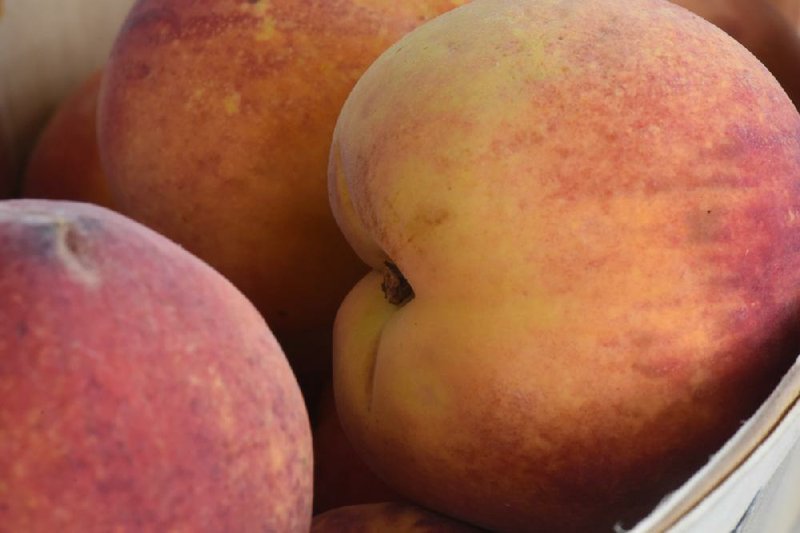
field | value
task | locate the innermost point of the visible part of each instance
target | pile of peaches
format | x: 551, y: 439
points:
x: 405, y: 266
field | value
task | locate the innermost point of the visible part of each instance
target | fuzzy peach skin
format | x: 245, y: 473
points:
x: 215, y: 124
x: 64, y: 163
x: 763, y: 29
x: 597, y: 208
x: 386, y: 517
x: 139, y: 390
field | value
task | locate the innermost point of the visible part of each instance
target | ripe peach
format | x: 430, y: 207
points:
x: 215, y: 124
x: 139, y: 391
x: 583, y: 220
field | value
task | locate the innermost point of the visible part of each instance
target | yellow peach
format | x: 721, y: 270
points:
x: 583, y: 220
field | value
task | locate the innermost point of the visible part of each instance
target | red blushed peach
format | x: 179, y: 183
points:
x: 214, y: 127
x: 139, y: 390
x: 387, y: 517
x: 583, y: 223
x: 65, y: 164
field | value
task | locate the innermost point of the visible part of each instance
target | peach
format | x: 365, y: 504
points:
x: 215, y: 123
x: 139, y: 390
x: 65, y: 164
x: 583, y: 224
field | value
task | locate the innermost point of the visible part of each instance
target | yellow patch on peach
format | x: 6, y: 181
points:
x: 232, y: 103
